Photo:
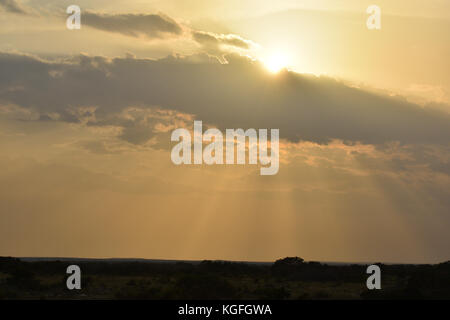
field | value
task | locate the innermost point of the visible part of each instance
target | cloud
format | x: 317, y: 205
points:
x: 215, y: 41
x: 139, y: 125
x: 240, y: 94
x: 13, y: 6
x: 149, y: 25
x: 161, y: 26
x: 82, y: 175
x: 219, y: 45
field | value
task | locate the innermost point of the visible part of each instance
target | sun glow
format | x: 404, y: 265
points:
x: 276, y: 62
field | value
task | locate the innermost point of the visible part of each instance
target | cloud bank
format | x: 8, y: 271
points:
x: 135, y: 25
x: 238, y: 94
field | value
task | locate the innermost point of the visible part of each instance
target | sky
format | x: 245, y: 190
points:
x: 86, y: 118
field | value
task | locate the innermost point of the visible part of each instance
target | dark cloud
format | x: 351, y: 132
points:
x: 135, y: 25
x: 238, y: 94
x: 13, y: 6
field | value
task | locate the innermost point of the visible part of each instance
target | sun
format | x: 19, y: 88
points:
x: 276, y: 62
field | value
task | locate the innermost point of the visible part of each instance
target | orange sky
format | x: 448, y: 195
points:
x: 86, y: 117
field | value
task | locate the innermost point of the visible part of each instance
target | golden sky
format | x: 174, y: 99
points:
x: 86, y: 117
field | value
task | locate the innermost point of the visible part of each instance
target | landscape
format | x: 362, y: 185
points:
x: 289, y: 278
x: 224, y: 150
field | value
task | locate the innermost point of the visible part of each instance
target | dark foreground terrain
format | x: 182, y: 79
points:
x: 289, y: 278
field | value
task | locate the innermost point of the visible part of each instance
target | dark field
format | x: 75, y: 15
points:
x: 289, y: 278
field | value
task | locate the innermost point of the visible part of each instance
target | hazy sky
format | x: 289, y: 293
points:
x: 364, y: 118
